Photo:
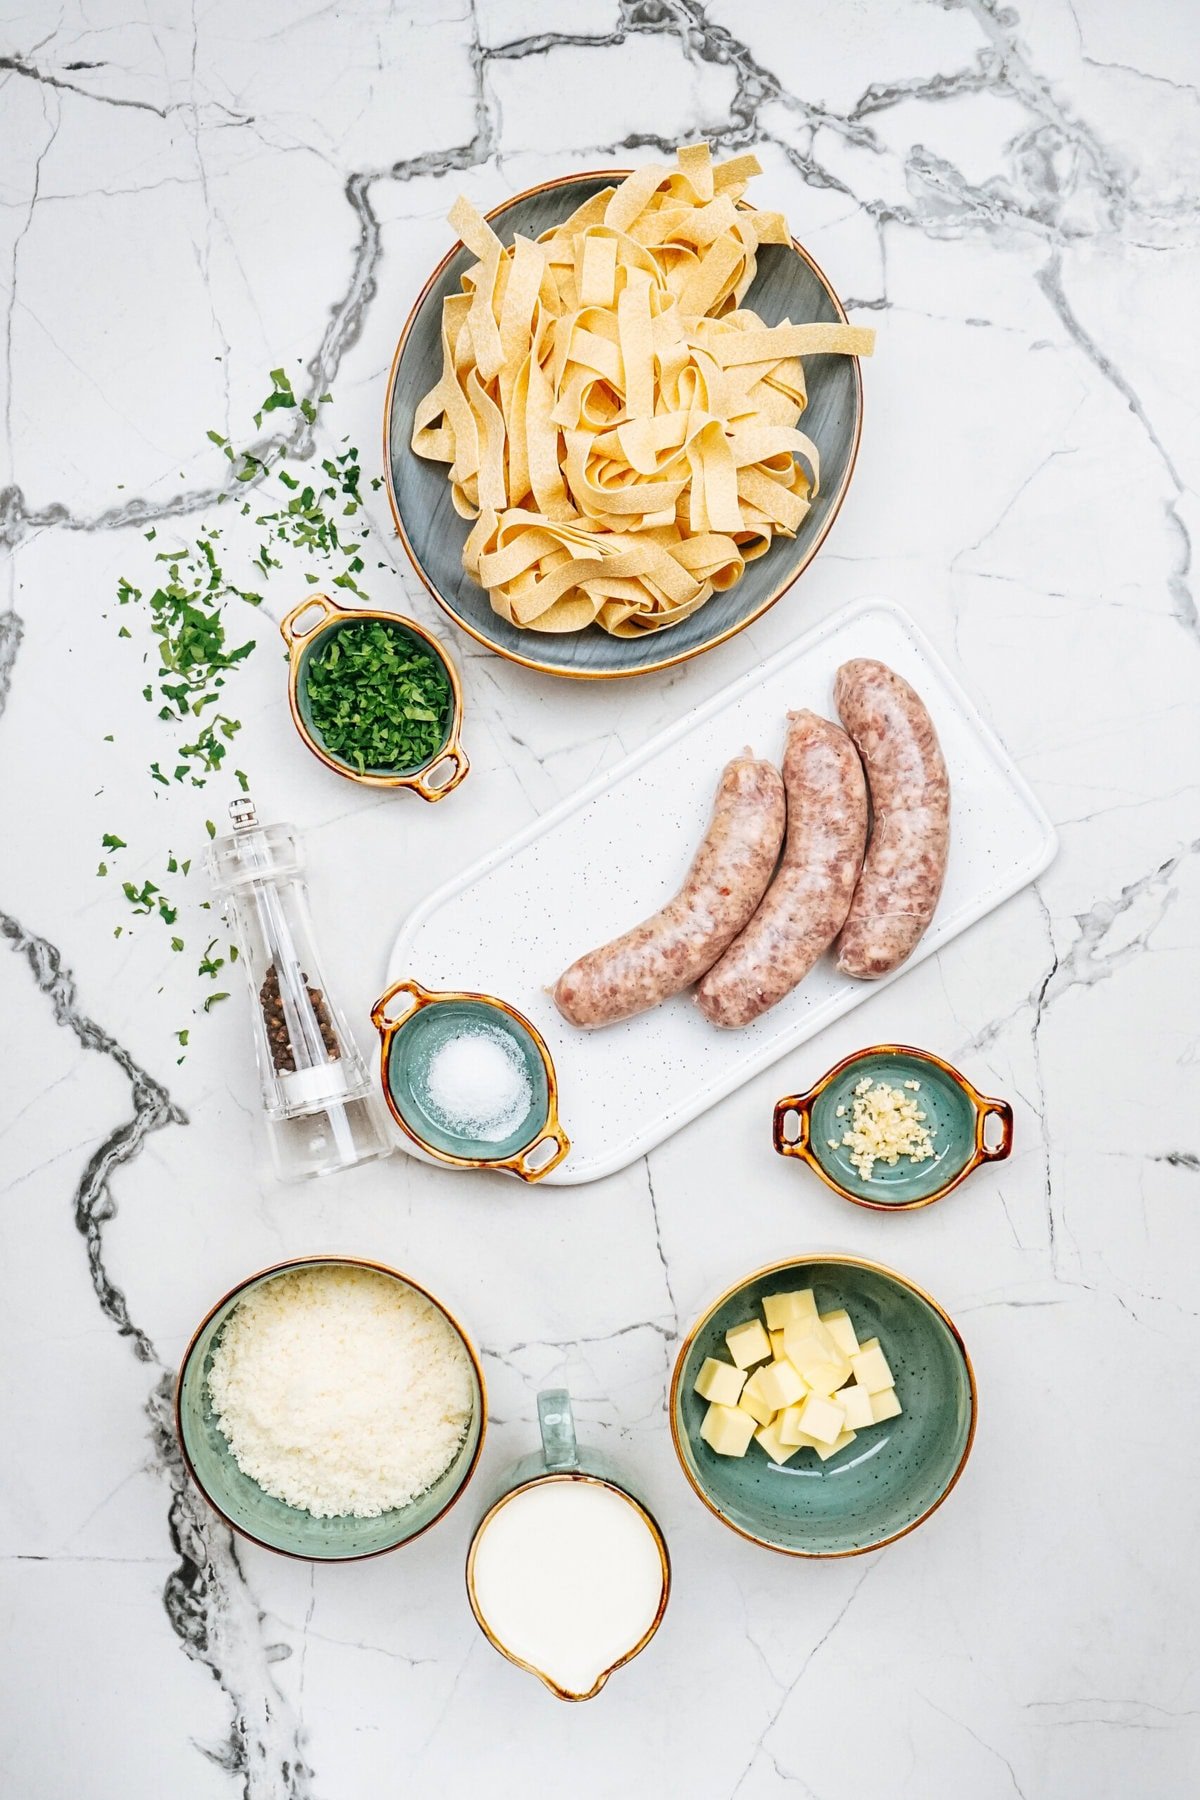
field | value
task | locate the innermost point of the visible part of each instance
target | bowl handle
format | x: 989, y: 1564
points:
x: 325, y: 608
x: 379, y: 1012
x: 799, y: 1104
x: 551, y: 1133
x: 420, y: 784
x: 984, y: 1107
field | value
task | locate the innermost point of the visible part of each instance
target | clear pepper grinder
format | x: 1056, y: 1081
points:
x: 322, y: 1114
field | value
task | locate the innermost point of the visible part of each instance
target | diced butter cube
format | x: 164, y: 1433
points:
x: 871, y: 1370
x: 825, y: 1451
x: 780, y: 1384
x: 755, y: 1402
x: 827, y: 1378
x: 748, y: 1344
x: 841, y: 1330
x: 777, y: 1349
x: 783, y: 1309
x: 806, y: 1340
x: 884, y: 1405
x: 821, y: 1419
x: 788, y: 1426
x: 813, y: 1352
x: 719, y: 1381
x: 727, y: 1430
x: 869, y: 1344
x: 768, y: 1436
x: 855, y: 1402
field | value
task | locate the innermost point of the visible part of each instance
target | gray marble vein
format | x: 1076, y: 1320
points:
x: 207, y: 1599
x: 1011, y: 193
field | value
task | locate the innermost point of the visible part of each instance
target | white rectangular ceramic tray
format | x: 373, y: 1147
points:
x: 615, y: 851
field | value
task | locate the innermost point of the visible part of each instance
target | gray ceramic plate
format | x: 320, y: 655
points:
x: 789, y: 285
x: 893, y: 1475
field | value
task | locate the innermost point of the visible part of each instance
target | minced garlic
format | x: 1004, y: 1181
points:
x: 886, y: 1124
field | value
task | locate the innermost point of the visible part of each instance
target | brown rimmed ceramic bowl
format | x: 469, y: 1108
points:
x: 408, y: 1038
x: 271, y: 1523
x: 788, y: 285
x: 308, y: 626
x: 808, y: 1126
x: 894, y: 1475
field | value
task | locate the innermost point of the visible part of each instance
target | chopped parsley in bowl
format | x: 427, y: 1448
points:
x: 376, y: 697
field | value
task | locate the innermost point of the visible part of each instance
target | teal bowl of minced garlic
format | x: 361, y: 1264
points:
x: 893, y: 1128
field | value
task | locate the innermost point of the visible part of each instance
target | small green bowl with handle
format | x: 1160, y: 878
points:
x: 311, y: 626
x: 410, y: 1037
x: 808, y: 1126
x: 894, y: 1474
x: 270, y: 1522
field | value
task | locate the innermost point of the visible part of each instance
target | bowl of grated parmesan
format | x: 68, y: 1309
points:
x: 330, y: 1408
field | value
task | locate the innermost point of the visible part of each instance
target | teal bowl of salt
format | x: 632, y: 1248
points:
x: 470, y: 1082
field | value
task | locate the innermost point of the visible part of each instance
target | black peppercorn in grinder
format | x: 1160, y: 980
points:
x: 322, y: 1114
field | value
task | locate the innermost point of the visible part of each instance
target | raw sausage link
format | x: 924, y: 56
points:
x: 910, y: 803
x: 807, y: 901
x: 725, y: 883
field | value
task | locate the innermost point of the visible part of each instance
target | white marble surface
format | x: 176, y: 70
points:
x: 190, y: 197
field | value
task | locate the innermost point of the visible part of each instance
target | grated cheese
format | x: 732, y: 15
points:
x: 886, y: 1124
x: 341, y: 1390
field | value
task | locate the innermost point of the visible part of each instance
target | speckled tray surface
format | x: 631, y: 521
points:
x: 613, y: 852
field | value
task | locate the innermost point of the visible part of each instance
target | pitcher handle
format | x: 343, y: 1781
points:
x: 559, y: 1448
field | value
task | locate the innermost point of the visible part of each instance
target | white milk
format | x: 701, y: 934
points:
x: 568, y: 1578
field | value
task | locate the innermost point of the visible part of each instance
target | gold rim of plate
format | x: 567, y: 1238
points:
x: 665, y: 662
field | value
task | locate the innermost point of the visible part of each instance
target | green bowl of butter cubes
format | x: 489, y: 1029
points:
x: 823, y: 1406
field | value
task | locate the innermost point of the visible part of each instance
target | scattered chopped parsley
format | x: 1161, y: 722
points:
x: 190, y: 596
x: 379, y: 698
x: 141, y: 899
x: 209, y: 964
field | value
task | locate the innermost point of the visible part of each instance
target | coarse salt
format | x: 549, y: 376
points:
x: 476, y: 1085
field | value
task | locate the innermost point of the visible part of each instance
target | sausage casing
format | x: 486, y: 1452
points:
x: 727, y: 879
x: 806, y: 903
x: 905, y: 865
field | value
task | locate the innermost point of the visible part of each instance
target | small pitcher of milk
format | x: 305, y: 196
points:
x: 568, y: 1573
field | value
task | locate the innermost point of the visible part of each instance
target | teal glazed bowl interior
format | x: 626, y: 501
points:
x: 788, y: 286
x: 893, y: 1475
x: 949, y: 1119
x: 271, y: 1522
x: 412, y: 1049
x: 318, y: 641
